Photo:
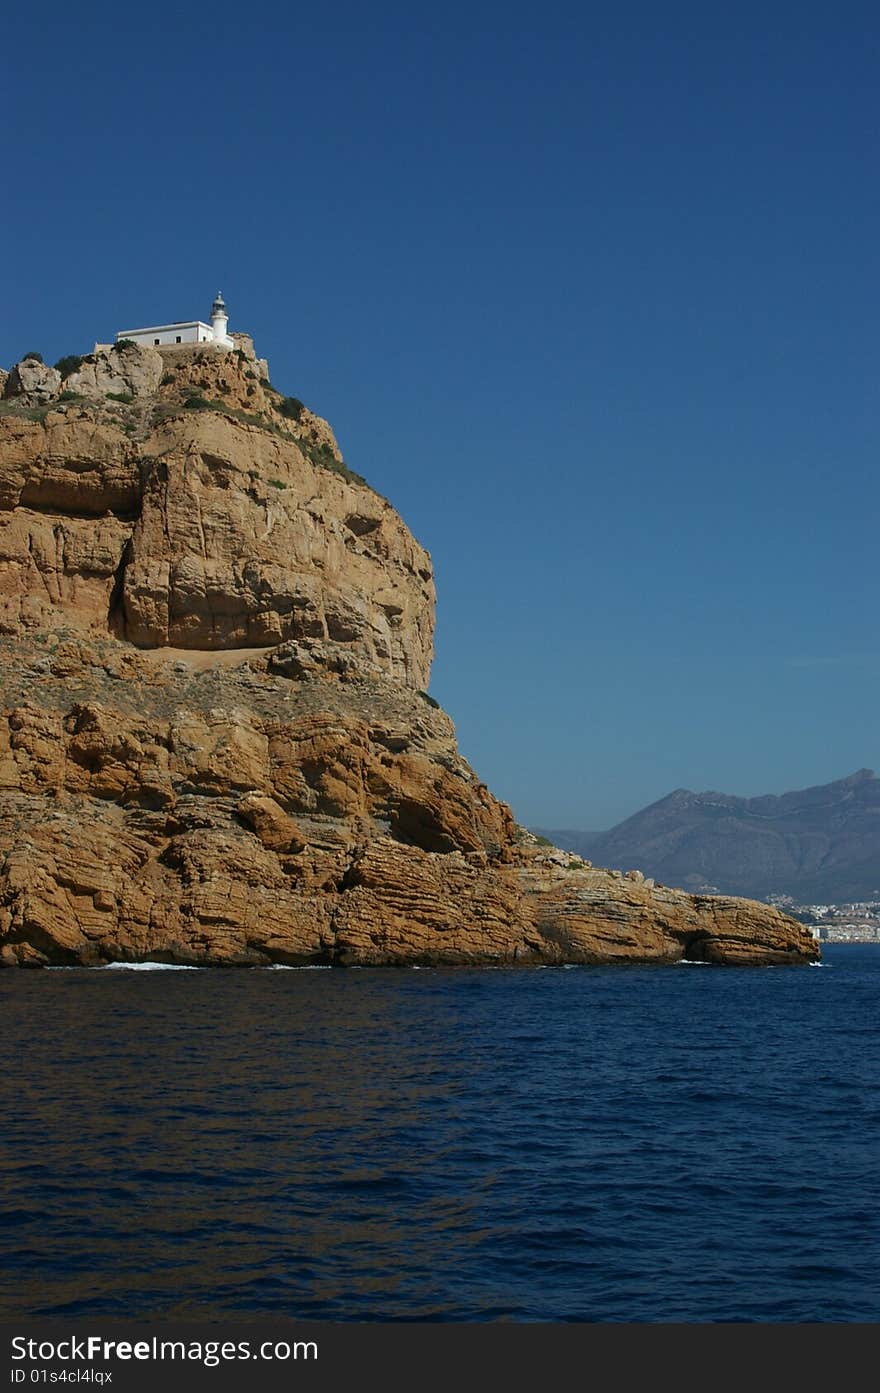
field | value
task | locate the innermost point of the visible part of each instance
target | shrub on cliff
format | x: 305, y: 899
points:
x: 69, y: 364
x: 32, y: 358
x: 323, y: 456
x: 292, y: 407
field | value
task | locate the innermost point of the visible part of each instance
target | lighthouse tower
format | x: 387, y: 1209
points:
x: 219, y: 321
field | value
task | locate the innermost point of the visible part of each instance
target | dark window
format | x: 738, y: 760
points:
x: 178, y: 339
x: 155, y: 340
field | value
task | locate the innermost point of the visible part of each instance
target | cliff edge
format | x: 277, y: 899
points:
x: 215, y: 743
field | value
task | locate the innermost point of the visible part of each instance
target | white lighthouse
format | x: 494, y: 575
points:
x: 219, y: 321
x: 186, y: 332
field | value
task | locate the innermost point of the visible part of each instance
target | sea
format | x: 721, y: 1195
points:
x: 589, y: 1144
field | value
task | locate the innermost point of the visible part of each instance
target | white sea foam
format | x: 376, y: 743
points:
x: 692, y: 962
x: 296, y: 967
x: 149, y: 967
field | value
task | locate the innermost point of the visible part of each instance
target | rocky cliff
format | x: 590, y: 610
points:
x: 137, y: 505
x: 215, y: 746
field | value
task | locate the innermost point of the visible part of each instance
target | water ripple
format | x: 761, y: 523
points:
x: 593, y: 1144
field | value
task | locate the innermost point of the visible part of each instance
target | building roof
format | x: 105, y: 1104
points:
x: 165, y: 328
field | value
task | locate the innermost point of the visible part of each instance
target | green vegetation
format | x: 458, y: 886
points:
x: 267, y: 385
x: 278, y: 483
x: 71, y: 396
x: 543, y: 841
x: 68, y: 364
x: 32, y: 358
x: 322, y: 455
x: 319, y: 454
x: 430, y: 700
x: 167, y: 380
x: 574, y: 866
x: 248, y: 418
x: 125, y: 397
x: 30, y: 413
x: 196, y: 403
x: 123, y: 343
x: 292, y: 407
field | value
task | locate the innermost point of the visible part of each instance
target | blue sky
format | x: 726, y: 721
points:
x: 589, y: 292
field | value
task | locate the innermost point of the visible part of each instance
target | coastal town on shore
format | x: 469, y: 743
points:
x: 853, y: 922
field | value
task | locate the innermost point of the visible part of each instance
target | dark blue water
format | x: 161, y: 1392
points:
x: 675, y: 1144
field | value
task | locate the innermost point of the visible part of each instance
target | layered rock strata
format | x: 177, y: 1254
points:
x: 214, y: 743
x: 213, y: 525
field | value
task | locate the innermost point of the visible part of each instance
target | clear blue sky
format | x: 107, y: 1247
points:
x: 590, y: 292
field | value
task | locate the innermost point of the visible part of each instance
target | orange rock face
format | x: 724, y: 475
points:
x: 213, y: 743
x: 207, y: 526
x: 212, y: 814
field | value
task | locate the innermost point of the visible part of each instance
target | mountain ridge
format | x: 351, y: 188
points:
x: 818, y: 843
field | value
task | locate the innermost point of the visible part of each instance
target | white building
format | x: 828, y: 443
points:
x: 190, y: 331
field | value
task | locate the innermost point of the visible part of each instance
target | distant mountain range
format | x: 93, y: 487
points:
x: 818, y: 844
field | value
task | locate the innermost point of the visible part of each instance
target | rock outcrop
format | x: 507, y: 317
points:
x: 204, y: 525
x: 215, y: 746
x: 126, y: 370
x: 32, y: 382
